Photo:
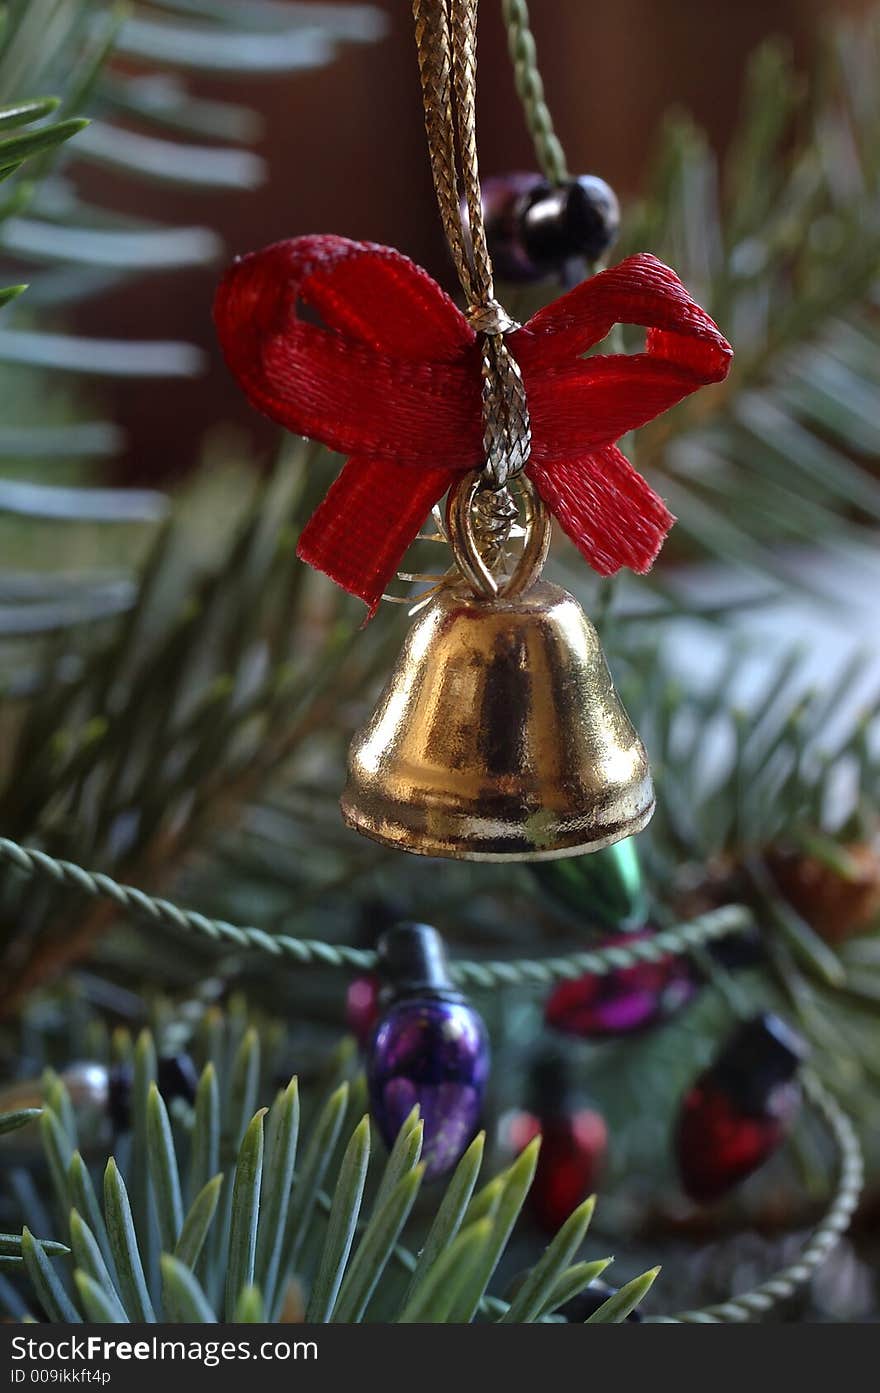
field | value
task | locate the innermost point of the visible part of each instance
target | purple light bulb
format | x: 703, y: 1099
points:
x: 430, y: 1047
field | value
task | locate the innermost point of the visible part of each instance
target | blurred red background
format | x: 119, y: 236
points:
x: 345, y: 149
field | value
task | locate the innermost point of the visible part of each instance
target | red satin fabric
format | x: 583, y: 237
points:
x: 390, y: 376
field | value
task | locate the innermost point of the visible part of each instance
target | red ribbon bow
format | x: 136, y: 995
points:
x: 391, y: 377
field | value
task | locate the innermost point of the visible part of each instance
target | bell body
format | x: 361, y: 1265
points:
x: 499, y: 736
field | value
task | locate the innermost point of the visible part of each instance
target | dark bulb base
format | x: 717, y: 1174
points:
x: 536, y: 230
x: 176, y: 1077
x: 581, y: 1307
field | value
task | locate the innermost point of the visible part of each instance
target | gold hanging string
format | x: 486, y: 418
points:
x: 446, y: 40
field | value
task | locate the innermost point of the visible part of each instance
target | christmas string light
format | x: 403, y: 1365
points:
x: 703, y: 929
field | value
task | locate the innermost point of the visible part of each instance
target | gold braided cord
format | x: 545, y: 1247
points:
x: 435, y: 70
x: 446, y: 41
x: 463, y: 15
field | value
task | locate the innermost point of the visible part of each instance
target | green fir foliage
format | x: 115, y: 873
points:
x: 344, y: 1240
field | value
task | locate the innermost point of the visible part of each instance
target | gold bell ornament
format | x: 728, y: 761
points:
x: 499, y: 735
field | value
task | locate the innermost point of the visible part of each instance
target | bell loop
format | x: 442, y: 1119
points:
x: 477, y: 529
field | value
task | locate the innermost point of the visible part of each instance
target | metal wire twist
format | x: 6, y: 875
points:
x: 530, y: 90
x: 446, y: 41
x: 789, y: 1280
x: 313, y: 952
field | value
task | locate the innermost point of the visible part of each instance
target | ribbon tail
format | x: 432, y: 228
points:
x: 372, y: 513
x: 607, y: 509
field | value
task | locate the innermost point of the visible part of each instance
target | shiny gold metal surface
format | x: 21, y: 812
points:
x: 499, y: 735
x: 465, y: 544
